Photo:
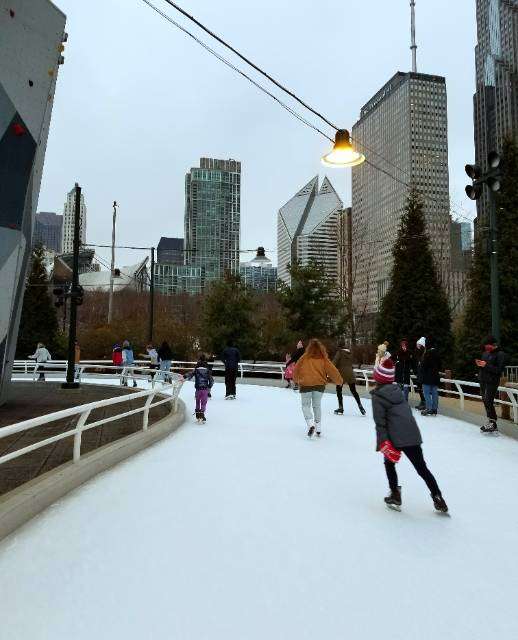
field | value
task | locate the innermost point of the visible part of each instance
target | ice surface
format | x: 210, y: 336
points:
x: 244, y: 529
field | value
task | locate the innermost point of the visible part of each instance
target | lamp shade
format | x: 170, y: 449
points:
x: 343, y: 154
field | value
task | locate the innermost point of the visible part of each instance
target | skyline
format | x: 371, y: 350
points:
x: 151, y: 133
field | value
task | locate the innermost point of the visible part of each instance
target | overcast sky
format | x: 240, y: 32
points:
x: 138, y: 103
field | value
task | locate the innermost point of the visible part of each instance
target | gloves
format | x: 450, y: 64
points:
x: 390, y: 452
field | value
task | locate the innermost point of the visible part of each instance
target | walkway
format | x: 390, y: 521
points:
x: 243, y: 529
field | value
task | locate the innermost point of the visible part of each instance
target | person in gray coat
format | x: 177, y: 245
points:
x: 396, y: 432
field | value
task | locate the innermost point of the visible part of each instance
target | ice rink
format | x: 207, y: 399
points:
x: 245, y: 529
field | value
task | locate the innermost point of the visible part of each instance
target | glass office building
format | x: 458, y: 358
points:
x: 212, y: 217
x: 259, y: 273
x: 171, y: 279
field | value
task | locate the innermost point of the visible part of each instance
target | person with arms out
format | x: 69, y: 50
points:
x: 431, y: 374
x: 491, y: 366
x: 231, y: 359
x: 41, y: 355
x: 405, y: 366
x: 312, y: 372
x: 203, y: 382
x: 165, y: 356
x: 128, y: 360
x: 396, y: 432
x: 343, y: 361
x: 295, y: 357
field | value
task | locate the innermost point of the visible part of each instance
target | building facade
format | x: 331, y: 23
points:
x: 403, y: 130
x: 170, y: 251
x: 495, y: 103
x: 31, y: 35
x: 259, y: 273
x: 48, y: 230
x: 67, y: 245
x: 171, y: 279
x: 213, y: 217
x: 308, y: 230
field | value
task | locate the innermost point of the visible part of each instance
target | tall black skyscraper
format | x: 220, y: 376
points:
x: 48, y: 229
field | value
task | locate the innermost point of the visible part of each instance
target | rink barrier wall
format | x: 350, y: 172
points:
x: 23, y: 503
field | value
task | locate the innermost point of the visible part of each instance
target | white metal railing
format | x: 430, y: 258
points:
x: 170, y: 391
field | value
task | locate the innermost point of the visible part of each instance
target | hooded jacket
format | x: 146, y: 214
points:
x: 343, y: 361
x: 393, y: 417
x: 202, y: 376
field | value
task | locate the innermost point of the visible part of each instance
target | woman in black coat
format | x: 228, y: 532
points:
x: 430, y: 371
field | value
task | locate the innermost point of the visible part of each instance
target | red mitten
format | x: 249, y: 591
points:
x: 389, y: 451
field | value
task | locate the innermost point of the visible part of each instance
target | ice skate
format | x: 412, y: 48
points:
x: 439, y: 504
x: 202, y: 418
x: 393, y: 501
x: 311, y: 431
x: 489, y: 428
x: 339, y: 411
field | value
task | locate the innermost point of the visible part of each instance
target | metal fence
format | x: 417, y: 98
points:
x: 511, y: 373
x: 170, y: 391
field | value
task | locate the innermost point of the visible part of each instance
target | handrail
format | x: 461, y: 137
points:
x: 171, y: 391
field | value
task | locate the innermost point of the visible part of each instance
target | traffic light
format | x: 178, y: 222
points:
x: 492, y: 178
x: 60, y: 294
x: 76, y: 294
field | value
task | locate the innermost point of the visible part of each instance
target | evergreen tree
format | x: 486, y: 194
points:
x: 228, y: 314
x: 415, y: 304
x: 39, y: 321
x: 311, y: 305
x: 477, y: 314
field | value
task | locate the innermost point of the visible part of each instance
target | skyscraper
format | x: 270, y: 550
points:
x: 30, y: 55
x: 212, y: 217
x: 308, y: 228
x: 404, y: 131
x: 48, y: 231
x: 67, y: 245
x: 170, y: 251
x: 496, y: 97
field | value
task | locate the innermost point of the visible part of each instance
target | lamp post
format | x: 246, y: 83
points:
x: 344, y: 155
x: 492, y: 179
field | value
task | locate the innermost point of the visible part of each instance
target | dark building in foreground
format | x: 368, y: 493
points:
x: 48, y: 229
x: 170, y: 251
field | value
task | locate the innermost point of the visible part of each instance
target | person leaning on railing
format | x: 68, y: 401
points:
x: 491, y: 365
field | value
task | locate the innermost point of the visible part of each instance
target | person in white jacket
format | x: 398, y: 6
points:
x: 41, y: 355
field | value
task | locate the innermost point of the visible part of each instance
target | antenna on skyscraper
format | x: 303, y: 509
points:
x: 413, y: 46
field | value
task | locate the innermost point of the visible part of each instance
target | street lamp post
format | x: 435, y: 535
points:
x: 492, y: 179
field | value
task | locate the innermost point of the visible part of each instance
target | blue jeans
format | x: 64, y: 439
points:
x: 431, y: 396
x: 405, y: 388
x: 165, y: 365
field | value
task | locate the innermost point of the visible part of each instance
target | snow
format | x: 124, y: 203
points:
x: 245, y: 529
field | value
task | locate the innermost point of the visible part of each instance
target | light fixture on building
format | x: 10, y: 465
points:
x: 343, y: 153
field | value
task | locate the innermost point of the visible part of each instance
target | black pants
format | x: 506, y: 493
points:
x: 419, y: 389
x: 415, y: 455
x: 354, y: 393
x: 230, y: 382
x: 488, y: 392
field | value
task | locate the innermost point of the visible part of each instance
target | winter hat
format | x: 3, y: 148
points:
x: 300, y: 344
x: 384, y: 373
x: 421, y: 342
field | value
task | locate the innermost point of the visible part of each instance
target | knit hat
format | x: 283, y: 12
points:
x: 384, y: 373
x: 421, y: 342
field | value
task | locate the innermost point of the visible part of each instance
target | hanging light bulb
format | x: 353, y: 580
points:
x: 343, y: 153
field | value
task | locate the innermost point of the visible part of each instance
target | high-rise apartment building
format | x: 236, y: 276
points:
x: 170, y: 251
x: 31, y: 37
x: 496, y: 97
x: 403, y: 130
x: 67, y: 245
x: 48, y: 231
x: 259, y: 273
x: 212, y: 217
x: 308, y: 228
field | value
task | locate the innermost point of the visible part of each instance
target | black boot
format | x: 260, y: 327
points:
x: 440, y: 504
x: 394, y: 499
x: 490, y: 427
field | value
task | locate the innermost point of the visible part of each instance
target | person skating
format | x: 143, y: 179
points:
x: 405, y: 366
x: 343, y: 361
x: 41, y: 355
x: 491, y: 366
x: 420, y: 349
x: 431, y: 374
x: 288, y: 371
x: 231, y: 359
x: 397, y: 432
x: 295, y: 357
x: 117, y: 355
x: 128, y: 360
x: 312, y: 372
x: 165, y: 357
x: 382, y: 352
x: 203, y: 382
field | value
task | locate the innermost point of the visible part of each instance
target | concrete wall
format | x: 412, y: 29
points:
x: 31, y: 33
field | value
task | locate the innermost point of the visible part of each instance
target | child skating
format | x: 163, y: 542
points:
x: 397, y: 432
x: 203, y: 382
